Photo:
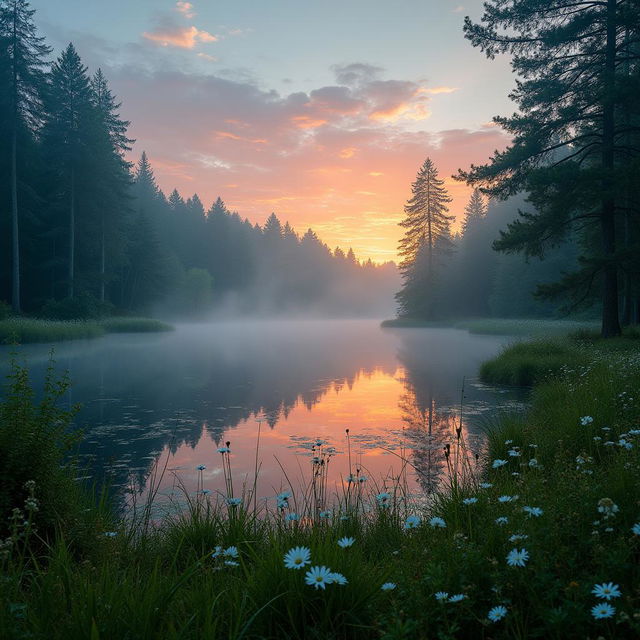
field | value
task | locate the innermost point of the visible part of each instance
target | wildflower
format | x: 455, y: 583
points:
x: 292, y: 517
x: 470, y: 501
x: 498, y: 463
x: 337, y: 578
x: 603, y: 610
x: 508, y: 498
x: 514, y: 453
x: 532, y: 463
x: 285, y: 495
x: 441, y: 596
x: 110, y: 534
x: 351, y: 478
x: 412, y: 522
x: 502, y: 520
x: 624, y: 443
x: 636, y: 529
x: 362, y: 479
x: 597, y: 439
x: 230, y: 552
x: 606, y: 591
x: 318, y: 577
x: 508, y: 442
x: 282, y: 504
x: 383, y: 499
x: 497, y: 613
x: 231, y: 563
x: 234, y: 502
x: 585, y: 420
x: 486, y: 485
x: 388, y: 586
x: 439, y: 522
x: 206, y: 492
x: 297, y: 557
x: 516, y: 537
x: 217, y: 552
x: 318, y: 443
x: 458, y: 597
x: 201, y: 467
x: 634, y: 432
x: 517, y: 558
x: 534, y: 512
x: 609, y: 443
x: 325, y: 514
x: 224, y: 450
x: 608, y: 507
x: 346, y: 542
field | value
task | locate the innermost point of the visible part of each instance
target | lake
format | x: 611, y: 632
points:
x: 169, y: 401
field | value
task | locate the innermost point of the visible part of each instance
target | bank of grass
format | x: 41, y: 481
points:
x: 527, y: 362
x: 23, y: 330
x: 524, y: 326
x: 558, y: 496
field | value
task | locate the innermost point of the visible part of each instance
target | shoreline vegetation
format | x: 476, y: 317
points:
x: 539, y: 538
x: 23, y: 330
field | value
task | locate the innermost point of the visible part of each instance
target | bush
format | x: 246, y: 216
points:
x: 34, y: 444
x: 82, y: 307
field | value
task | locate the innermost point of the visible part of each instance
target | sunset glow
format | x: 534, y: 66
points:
x: 233, y: 103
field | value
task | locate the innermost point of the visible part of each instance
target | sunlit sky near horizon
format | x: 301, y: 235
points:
x: 319, y: 111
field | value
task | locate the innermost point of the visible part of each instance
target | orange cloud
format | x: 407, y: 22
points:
x: 401, y: 111
x: 181, y: 37
x: 436, y: 90
x: 232, y: 136
x: 206, y: 56
x: 307, y: 122
x: 348, y: 152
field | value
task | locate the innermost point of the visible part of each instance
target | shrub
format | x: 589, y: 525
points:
x: 82, y: 307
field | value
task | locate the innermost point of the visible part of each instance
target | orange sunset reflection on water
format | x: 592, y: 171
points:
x: 392, y: 440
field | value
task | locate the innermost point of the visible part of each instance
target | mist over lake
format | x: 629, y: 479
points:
x: 183, y: 394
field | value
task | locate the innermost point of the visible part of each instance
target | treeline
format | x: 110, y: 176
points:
x: 449, y: 274
x: 575, y: 152
x: 83, y: 232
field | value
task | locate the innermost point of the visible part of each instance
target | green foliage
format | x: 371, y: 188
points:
x: 19, y: 330
x: 81, y: 307
x: 34, y: 443
x: 134, y: 325
x: 5, y: 310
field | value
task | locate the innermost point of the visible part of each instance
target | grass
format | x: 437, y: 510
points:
x: 525, y: 363
x: 21, y: 330
x: 574, y: 457
x: 523, y: 326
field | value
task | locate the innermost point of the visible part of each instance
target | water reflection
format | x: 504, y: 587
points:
x: 177, y: 397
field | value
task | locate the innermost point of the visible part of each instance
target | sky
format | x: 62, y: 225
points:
x: 321, y: 112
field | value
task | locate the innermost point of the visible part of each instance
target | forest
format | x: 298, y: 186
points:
x: 85, y: 232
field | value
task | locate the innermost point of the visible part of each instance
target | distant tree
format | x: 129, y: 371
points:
x: 427, y: 238
x: 22, y: 63
x: 475, y: 210
x: 572, y: 147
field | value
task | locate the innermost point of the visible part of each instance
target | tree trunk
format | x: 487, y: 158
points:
x: 610, y: 318
x: 15, y: 286
x: 72, y: 234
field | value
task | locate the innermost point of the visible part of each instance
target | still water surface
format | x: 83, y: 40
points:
x: 171, y: 400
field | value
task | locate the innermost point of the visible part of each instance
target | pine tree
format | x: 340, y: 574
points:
x: 475, y: 210
x: 24, y: 56
x: 427, y: 237
x: 572, y: 149
x: 68, y: 138
x: 111, y: 174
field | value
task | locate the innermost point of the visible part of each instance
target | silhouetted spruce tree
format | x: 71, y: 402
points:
x: 69, y: 134
x: 570, y: 150
x: 426, y: 239
x: 475, y: 211
x: 22, y: 63
x: 111, y: 178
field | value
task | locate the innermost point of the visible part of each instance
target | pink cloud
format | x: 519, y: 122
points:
x: 185, y: 8
x: 182, y: 37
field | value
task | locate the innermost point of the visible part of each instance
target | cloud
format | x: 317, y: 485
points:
x: 186, y: 8
x: 356, y: 73
x: 181, y: 37
x: 339, y: 158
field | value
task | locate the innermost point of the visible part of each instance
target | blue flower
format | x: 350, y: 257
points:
x: 585, y: 420
x: 412, y: 522
x: 439, y: 522
x: 470, y: 501
x: 297, y: 557
x: 234, y: 502
x: 502, y: 520
x: 292, y: 517
x: 388, y: 586
x: 346, y: 542
x: 337, y: 578
x: 497, y: 613
x: 498, y: 463
x: 201, y: 467
x: 534, y: 512
x: 606, y: 591
x: 517, y: 558
x: 636, y: 528
x: 441, y: 596
x: 318, y: 577
x: 603, y: 610
x: 458, y: 597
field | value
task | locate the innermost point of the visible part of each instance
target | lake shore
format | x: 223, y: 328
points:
x: 541, y: 544
x: 23, y: 330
